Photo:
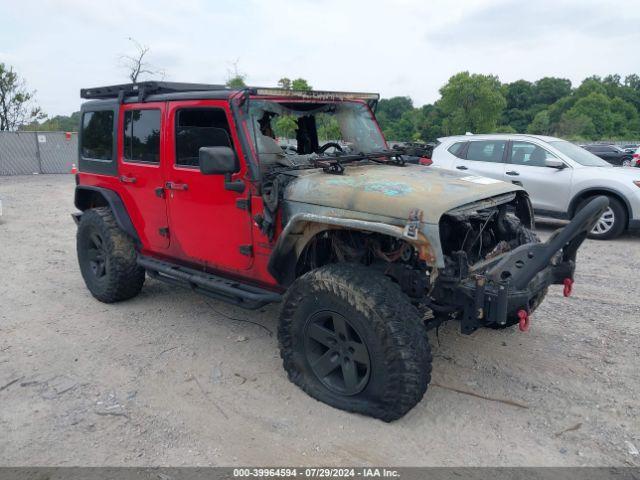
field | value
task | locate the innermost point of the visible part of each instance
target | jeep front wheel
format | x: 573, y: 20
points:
x: 350, y: 338
x: 107, y: 257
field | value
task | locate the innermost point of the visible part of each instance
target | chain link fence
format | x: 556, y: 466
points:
x: 26, y: 153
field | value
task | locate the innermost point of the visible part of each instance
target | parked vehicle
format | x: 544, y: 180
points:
x: 630, y: 147
x: 187, y: 184
x: 635, y: 160
x: 611, y: 153
x: 559, y: 176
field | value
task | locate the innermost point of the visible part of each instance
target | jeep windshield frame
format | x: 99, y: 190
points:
x: 297, y: 133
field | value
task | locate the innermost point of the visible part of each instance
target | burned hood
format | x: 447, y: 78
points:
x: 393, y: 191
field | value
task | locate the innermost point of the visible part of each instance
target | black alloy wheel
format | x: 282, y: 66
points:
x: 336, y: 353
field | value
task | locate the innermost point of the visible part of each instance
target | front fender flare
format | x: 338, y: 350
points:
x: 302, y: 227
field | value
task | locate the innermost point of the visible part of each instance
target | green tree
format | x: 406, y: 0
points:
x: 235, y: 78
x: 285, y: 126
x: 541, y: 124
x: 549, y: 90
x: 596, y: 107
x: 575, y: 125
x: 590, y: 85
x: 471, y: 103
x: 394, y: 107
x: 519, y: 94
x: 300, y: 85
x: 236, y: 82
x: 59, y: 123
x: 17, y: 106
x: 389, y: 113
x: 632, y: 81
x: 285, y: 83
x: 430, y: 123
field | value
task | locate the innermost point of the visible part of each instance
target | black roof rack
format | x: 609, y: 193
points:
x: 143, y: 89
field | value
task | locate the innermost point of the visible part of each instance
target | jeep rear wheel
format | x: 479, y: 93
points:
x: 350, y: 338
x: 107, y: 257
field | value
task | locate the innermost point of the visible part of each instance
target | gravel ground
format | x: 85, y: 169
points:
x: 172, y: 378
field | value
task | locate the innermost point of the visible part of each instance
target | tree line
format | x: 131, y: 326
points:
x: 599, y: 108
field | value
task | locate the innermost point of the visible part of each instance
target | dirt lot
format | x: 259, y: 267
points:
x: 172, y: 378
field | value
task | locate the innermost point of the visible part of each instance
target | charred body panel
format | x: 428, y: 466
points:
x: 481, y: 263
x: 308, y: 226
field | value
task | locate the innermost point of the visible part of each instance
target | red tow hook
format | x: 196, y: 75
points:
x: 568, y: 287
x: 523, y: 324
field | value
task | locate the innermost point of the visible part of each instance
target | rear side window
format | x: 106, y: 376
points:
x: 97, y: 135
x: 142, y: 135
x: 486, y: 151
x: 457, y: 149
x: 200, y: 127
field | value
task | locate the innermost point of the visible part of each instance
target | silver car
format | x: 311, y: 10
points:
x: 559, y: 176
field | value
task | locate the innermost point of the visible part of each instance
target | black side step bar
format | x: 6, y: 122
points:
x: 243, y: 295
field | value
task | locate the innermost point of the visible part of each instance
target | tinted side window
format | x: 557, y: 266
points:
x: 457, y: 149
x: 525, y: 153
x: 97, y: 135
x: 142, y: 135
x: 200, y: 127
x: 486, y: 151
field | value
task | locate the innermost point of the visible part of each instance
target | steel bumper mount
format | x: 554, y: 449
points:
x: 506, y: 287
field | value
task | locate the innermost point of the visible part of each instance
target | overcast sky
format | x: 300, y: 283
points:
x: 401, y: 47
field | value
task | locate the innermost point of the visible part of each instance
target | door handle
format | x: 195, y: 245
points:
x: 462, y: 167
x: 176, y: 186
x: 125, y: 179
x: 513, y: 173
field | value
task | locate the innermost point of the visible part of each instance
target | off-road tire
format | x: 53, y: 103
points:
x: 118, y: 277
x: 389, y: 326
x: 620, y: 219
x: 525, y: 235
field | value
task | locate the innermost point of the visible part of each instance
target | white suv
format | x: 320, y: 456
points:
x: 559, y: 176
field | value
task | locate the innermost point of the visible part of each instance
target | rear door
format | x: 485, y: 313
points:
x: 483, y: 157
x: 548, y: 188
x: 141, y: 175
x: 208, y: 222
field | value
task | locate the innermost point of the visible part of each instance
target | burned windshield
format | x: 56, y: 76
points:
x: 297, y: 133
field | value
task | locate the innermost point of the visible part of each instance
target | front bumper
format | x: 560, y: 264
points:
x: 494, y: 291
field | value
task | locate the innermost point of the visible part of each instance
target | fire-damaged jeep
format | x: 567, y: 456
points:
x: 365, y: 250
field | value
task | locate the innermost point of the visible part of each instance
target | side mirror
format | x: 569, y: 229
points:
x: 217, y: 161
x: 554, y: 163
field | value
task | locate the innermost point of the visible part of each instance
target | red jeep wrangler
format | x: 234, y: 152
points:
x: 366, y: 251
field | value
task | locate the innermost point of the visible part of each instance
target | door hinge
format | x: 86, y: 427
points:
x: 242, y: 203
x: 246, y: 250
x: 164, y: 231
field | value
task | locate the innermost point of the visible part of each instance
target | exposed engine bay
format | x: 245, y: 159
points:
x: 469, y: 236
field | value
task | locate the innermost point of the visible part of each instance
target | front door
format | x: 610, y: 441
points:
x: 548, y: 188
x: 207, y: 224
x: 140, y: 171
